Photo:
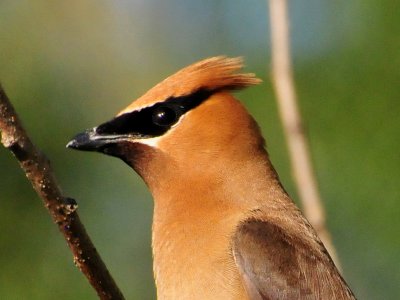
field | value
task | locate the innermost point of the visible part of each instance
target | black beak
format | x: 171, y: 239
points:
x: 110, y: 136
x: 90, y: 140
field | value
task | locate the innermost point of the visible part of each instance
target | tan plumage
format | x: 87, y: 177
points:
x: 214, y: 73
x: 223, y: 228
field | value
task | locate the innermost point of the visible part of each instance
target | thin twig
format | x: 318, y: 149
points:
x: 63, y: 210
x: 292, y: 123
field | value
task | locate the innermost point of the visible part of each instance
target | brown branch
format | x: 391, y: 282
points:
x: 63, y: 210
x: 292, y: 123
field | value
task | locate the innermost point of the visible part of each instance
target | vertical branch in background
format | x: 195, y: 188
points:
x: 293, y: 128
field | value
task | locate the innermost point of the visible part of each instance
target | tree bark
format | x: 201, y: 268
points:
x: 62, y: 209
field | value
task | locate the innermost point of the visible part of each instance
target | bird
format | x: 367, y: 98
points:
x: 223, y: 225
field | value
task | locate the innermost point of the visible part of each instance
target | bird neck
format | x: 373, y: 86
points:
x: 193, y: 225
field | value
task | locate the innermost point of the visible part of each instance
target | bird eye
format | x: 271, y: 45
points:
x: 165, y: 116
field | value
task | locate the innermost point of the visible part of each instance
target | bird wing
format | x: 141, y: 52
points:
x: 275, y: 265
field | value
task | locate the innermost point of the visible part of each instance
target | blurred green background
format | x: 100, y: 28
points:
x: 69, y: 65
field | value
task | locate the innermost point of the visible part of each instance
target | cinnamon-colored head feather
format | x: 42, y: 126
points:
x: 213, y: 74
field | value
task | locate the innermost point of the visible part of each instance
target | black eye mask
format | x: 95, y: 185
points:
x: 154, y: 120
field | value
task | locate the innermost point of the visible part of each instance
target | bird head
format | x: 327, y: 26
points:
x: 189, y: 121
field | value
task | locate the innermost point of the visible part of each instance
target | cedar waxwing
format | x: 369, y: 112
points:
x: 223, y: 226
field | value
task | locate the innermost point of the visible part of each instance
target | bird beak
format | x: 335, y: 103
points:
x: 91, y: 140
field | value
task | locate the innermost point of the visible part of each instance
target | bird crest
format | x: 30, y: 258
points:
x: 211, y: 74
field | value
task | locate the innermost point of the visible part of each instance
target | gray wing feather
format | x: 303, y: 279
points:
x: 275, y: 265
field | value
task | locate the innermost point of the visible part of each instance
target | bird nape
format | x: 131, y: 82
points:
x: 223, y: 226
